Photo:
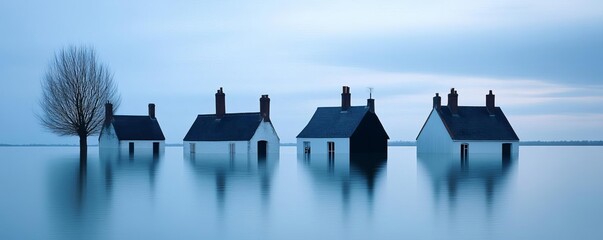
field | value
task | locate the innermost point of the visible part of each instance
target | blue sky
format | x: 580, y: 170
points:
x: 544, y: 60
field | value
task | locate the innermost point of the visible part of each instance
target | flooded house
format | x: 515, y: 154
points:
x: 344, y: 130
x: 467, y: 130
x: 221, y: 133
x: 131, y: 133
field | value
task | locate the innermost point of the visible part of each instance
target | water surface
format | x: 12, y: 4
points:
x: 547, y: 193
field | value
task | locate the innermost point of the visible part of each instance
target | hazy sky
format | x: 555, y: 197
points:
x: 543, y: 59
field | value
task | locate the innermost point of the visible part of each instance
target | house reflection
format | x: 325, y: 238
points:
x: 466, y: 184
x: 353, y: 177
x: 233, y: 174
x: 140, y: 167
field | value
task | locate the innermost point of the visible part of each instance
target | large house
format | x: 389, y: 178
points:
x: 467, y: 130
x: 344, y: 129
x: 233, y: 133
x: 131, y: 133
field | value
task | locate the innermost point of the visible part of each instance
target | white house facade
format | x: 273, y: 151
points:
x: 321, y: 146
x: 131, y: 134
x: 434, y: 137
x: 467, y: 130
x: 265, y: 134
x: 233, y: 134
x: 343, y: 130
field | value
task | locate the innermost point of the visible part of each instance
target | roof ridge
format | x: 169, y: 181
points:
x: 131, y: 116
x: 226, y: 114
x: 470, y: 106
x: 359, y: 106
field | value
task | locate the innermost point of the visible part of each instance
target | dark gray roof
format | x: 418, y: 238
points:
x: 231, y: 127
x: 476, y: 123
x: 331, y: 122
x: 137, y: 128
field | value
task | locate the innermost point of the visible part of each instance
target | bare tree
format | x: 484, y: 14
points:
x: 74, y: 92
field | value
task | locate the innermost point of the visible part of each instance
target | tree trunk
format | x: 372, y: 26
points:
x: 83, y: 147
x: 81, y: 185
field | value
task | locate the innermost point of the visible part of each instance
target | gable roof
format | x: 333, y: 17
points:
x: 331, y: 122
x: 476, y: 123
x: 129, y: 127
x: 231, y: 127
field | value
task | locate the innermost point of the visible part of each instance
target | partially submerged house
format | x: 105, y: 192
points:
x: 233, y: 133
x: 344, y: 129
x: 467, y: 130
x: 131, y: 133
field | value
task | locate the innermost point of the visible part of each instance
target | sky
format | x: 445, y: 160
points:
x: 543, y: 60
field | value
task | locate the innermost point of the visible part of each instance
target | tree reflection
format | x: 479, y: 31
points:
x: 78, y: 199
x: 81, y: 191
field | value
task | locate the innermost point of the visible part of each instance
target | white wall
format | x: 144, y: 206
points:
x: 141, y: 145
x: 485, y: 147
x: 434, y: 138
x: 108, y: 138
x: 265, y: 132
x: 216, y: 147
x: 319, y: 145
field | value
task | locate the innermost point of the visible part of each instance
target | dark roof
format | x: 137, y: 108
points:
x: 231, y: 127
x: 331, y: 122
x: 137, y: 128
x: 476, y: 123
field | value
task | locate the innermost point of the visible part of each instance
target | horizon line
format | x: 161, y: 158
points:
x: 389, y: 143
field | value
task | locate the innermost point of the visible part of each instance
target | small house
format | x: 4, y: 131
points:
x: 467, y: 130
x: 131, y: 133
x: 344, y: 129
x: 233, y: 133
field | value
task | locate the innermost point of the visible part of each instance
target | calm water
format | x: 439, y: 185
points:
x: 548, y: 193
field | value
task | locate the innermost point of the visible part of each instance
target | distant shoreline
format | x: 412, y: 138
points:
x: 391, y: 143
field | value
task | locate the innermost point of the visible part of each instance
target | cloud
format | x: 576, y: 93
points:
x: 589, y: 126
x: 374, y: 17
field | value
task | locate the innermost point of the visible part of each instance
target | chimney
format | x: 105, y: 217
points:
x: 453, y: 101
x: 265, y: 107
x: 220, y: 103
x: 490, y: 103
x: 345, y: 98
x: 108, y: 112
x: 152, y: 110
x: 370, y: 103
x: 437, y: 101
